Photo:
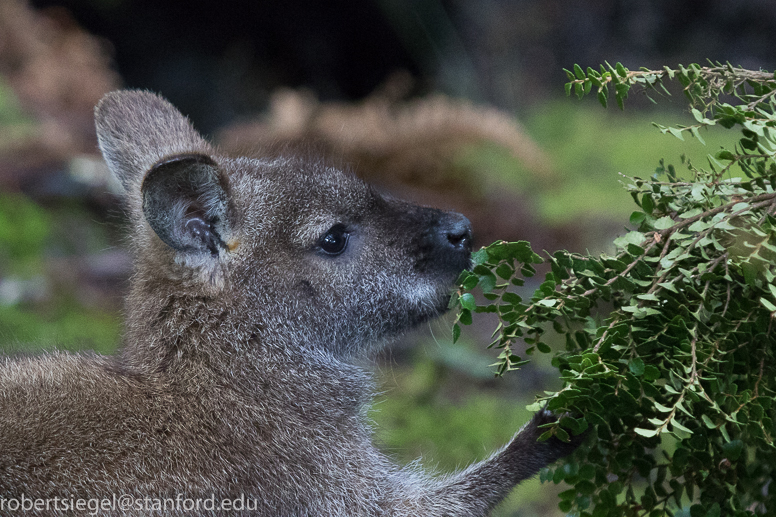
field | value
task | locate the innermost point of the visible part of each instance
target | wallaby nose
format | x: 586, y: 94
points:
x: 458, y: 232
x: 445, y: 247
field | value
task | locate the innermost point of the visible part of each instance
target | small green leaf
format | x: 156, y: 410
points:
x: 714, y: 511
x: 468, y: 301
x: 636, y: 238
x: 636, y: 366
x: 546, y: 435
x: 536, y: 406
x: 579, y: 90
x: 677, y: 133
x: 647, y: 203
x: 586, y: 471
x: 469, y: 281
x: 636, y: 218
x: 664, y: 223
x: 585, y: 487
x: 505, y: 271
x: 697, y: 135
x: 579, y: 72
x: 651, y: 373
x: 708, y: 422
x: 768, y: 304
x: 487, y: 282
x: 679, y: 426
x: 568, y: 495
x: 733, y: 449
x: 479, y: 257
x: 602, y: 97
x: 690, y: 213
x: 700, y: 225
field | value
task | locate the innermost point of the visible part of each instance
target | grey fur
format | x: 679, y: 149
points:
x: 237, y: 377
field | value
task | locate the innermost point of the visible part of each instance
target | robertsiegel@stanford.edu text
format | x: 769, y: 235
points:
x: 125, y: 502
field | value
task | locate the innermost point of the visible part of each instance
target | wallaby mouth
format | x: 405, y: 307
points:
x: 448, y: 253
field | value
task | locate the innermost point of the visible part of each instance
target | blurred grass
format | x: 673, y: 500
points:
x: 587, y: 147
x: 68, y: 325
x: 590, y: 145
x: 48, y: 316
x: 418, y: 418
x: 24, y: 229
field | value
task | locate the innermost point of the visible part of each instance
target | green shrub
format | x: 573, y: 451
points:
x: 668, y: 357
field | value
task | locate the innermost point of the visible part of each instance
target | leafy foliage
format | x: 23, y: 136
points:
x: 668, y: 341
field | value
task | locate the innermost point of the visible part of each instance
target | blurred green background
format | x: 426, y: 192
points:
x: 64, y: 267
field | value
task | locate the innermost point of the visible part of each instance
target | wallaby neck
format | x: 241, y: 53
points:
x: 195, y: 337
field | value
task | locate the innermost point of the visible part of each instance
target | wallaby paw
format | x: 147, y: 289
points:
x: 554, y: 446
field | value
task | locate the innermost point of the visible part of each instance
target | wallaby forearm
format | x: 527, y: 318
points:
x: 476, y: 490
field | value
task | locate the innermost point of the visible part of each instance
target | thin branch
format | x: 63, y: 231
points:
x: 760, y: 201
x: 624, y: 271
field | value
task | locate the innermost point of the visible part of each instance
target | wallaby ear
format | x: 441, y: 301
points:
x: 166, y: 168
x: 185, y: 202
x: 137, y: 129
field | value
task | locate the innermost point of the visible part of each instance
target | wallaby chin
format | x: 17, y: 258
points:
x: 256, y: 283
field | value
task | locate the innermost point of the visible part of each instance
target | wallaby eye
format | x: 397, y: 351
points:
x: 335, y: 240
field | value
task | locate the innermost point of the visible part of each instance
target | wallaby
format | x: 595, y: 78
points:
x: 258, y: 286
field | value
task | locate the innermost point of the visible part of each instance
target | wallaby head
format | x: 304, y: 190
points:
x: 285, y: 252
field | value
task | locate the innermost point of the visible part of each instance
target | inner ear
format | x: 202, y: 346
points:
x: 185, y: 202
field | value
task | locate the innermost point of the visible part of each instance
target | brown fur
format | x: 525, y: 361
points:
x: 237, y: 376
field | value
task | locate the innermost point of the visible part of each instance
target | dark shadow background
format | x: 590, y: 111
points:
x: 219, y: 61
